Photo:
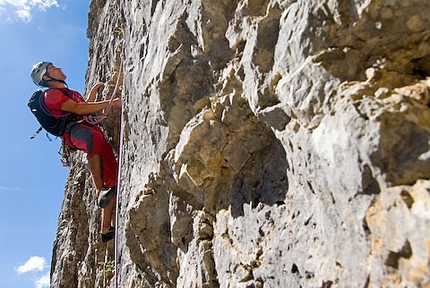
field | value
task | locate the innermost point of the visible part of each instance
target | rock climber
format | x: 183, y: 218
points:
x: 81, y: 135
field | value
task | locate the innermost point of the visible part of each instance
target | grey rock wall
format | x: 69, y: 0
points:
x: 265, y: 144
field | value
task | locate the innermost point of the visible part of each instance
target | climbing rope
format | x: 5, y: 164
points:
x: 118, y: 197
x: 120, y: 156
x: 97, y: 119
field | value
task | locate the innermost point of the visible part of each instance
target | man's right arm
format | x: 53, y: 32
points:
x: 88, y: 108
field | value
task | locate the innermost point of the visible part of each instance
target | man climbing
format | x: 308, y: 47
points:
x: 83, y: 136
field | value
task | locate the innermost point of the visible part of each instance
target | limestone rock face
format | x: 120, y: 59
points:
x: 265, y: 143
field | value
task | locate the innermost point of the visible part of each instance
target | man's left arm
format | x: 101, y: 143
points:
x: 93, y: 92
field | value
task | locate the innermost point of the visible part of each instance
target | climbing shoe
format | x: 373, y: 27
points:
x: 105, y: 196
x: 109, y: 235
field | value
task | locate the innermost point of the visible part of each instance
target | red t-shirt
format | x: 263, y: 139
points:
x: 54, y: 98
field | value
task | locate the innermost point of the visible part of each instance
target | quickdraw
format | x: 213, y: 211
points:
x: 64, y: 152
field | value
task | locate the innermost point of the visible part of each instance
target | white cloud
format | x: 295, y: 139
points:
x: 43, y: 281
x: 24, y: 15
x: 24, y: 8
x: 34, y: 263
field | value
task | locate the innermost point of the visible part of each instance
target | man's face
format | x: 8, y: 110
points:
x: 55, y: 72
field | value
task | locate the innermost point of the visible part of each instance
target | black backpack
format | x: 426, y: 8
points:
x: 48, y: 121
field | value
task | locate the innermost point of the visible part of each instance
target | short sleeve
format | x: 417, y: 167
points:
x: 54, y: 98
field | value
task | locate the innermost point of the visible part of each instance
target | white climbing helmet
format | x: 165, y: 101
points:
x: 37, y: 73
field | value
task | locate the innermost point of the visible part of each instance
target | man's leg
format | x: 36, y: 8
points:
x: 110, y: 166
x: 107, y: 215
x: 96, y: 168
x: 86, y: 138
x: 91, y: 141
x: 109, y: 178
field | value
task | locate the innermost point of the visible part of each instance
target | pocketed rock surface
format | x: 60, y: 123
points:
x: 265, y: 143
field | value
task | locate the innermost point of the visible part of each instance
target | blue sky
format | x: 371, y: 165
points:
x: 32, y: 178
